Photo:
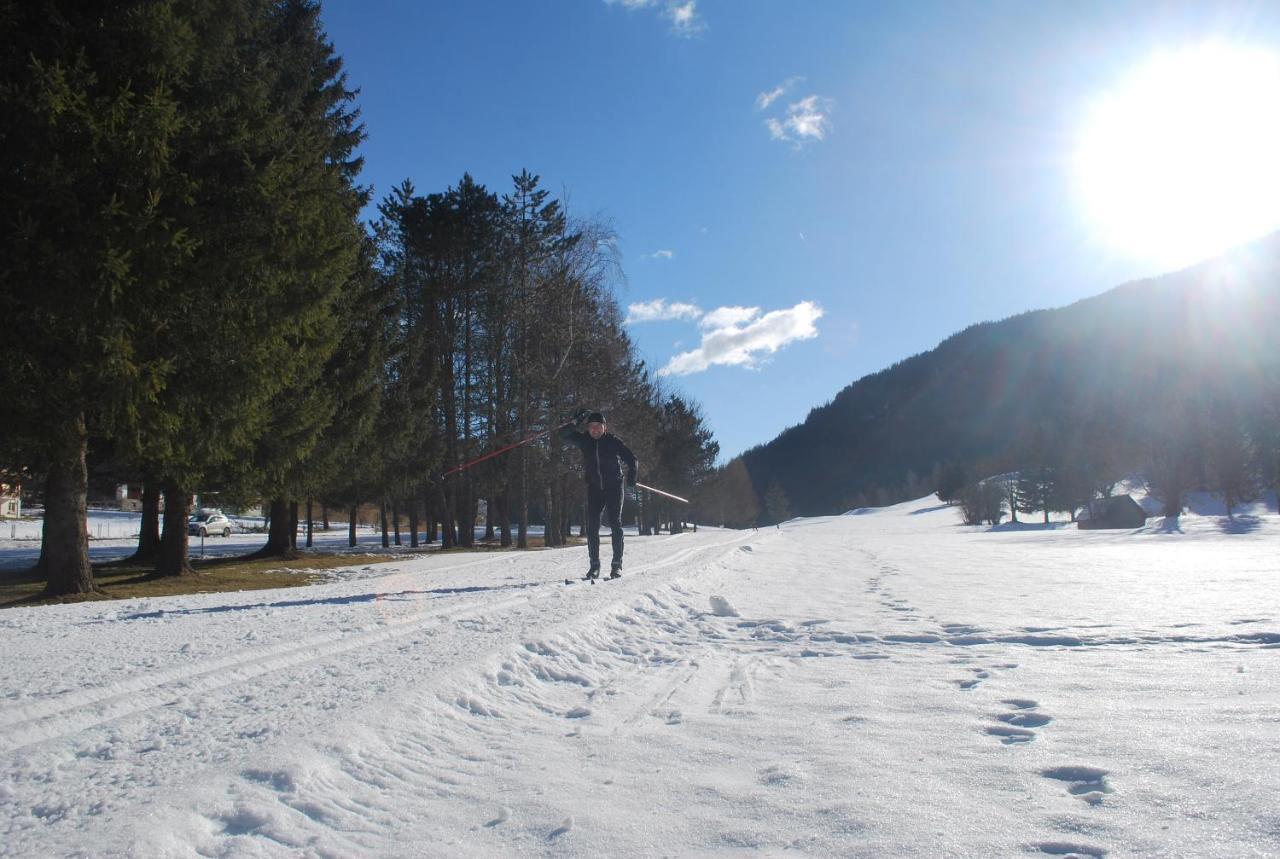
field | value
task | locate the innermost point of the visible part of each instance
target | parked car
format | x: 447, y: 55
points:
x: 208, y: 522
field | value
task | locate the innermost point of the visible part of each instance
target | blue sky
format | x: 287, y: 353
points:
x: 810, y: 190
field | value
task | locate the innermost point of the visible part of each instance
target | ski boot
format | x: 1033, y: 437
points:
x: 615, y: 571
x: 592, y: 574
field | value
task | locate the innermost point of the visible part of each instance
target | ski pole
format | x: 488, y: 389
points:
x: 491, y: 454
x: 660, y: 492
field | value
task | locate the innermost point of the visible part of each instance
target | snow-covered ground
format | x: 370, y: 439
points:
x: 882, y: 684
x: 114, y: 535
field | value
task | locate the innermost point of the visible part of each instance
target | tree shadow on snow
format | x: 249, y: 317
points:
x: 1240, y: 525
x: 1030, y: 526
x: 354, y: 599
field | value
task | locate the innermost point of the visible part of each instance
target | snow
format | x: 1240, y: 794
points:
x: 884, y: 684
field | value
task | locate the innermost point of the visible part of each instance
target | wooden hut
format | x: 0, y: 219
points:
x: 1118, y: 511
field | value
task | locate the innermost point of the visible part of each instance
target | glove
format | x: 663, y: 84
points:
x: 631, y: 479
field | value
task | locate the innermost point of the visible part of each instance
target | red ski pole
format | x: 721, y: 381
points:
x: 491, y: 454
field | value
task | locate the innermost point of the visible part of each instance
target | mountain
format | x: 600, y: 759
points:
x: 1116, y: 373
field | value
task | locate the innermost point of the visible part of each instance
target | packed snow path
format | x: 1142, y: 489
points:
x: 868, y: 685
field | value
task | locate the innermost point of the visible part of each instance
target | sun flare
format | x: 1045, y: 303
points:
x: 1182, y: 159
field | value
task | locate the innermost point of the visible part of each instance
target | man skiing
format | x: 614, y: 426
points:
x: 603, y: 458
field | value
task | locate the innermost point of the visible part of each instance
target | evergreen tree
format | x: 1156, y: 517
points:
x: 686, y: 451
x: 1036, y: 489
x: 949, y: 480
x: 93, y: 198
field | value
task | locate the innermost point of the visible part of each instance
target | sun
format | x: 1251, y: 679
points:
x: 1181, y: 160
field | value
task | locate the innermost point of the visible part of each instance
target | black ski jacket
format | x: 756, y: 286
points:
x: 603, y: 461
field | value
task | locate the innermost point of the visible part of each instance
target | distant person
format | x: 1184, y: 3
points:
x: 604, y: 458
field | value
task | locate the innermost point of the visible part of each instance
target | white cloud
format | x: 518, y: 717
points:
x: 764, y: 99
x: 662, y: 254
x: 685, y: 20
x: 747, y: 340
x: 806, y: 120
x: 728, y: 317
x: 684, y: 17
x: 660, y: 310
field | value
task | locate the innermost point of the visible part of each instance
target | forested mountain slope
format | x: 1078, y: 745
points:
x: 1152, y: 364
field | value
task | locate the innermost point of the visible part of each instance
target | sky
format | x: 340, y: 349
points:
x: 806, y: 193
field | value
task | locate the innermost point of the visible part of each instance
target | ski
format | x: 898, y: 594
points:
x: 592, y: 579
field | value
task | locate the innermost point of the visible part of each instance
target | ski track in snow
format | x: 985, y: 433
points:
x: 834, y: 687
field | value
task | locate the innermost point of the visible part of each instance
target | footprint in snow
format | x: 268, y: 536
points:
x: 1018, y: 726
x: 504, y: 814
x: 777, y: 775
x: 979, y: 674
x: 1088, y: 783
x: 566, y: 826
x: 1011, y: 736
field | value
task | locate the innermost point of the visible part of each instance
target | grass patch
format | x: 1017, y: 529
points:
x: 118, y: 581
x: 214, y: 575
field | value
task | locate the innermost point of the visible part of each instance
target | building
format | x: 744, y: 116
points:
x: 10, y: 501
x: 1118, y: 511
x: 129, y: 496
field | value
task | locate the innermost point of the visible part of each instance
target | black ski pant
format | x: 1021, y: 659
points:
x: 607, y: 501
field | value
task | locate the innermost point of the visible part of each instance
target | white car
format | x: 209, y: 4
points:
x: 208, y: 522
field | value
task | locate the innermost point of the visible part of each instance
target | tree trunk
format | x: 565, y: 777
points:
x: 413, y: 525
x: 395, y: 521
x: 278, y: 537
x: 448, y: 535
x: 429, y: 510
x: 351, y: 525
x: 310, y: 528
x: 490, y: 509
x: 293, y: 526
x: 41, y: 569
x: 466, y: 517
x: 382, y: 518
x: 149, y: 533
x: 65, y: 546
x: 324, y: 512
x: 174, y: 559
x: 522, y: 527
x: 504, y: 518
x: 548, y: 518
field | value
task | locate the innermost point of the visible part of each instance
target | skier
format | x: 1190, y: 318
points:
x: 603, y: 458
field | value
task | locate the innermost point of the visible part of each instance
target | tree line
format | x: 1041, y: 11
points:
x: 1174, y: 378
x: 1200, y: 441
x: 193, y: 302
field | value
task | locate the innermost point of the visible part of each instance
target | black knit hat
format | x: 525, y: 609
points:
x: 596, y: 418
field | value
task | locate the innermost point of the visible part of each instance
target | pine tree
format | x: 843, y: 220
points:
x: 93, y: 196
x: 685, y: 447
